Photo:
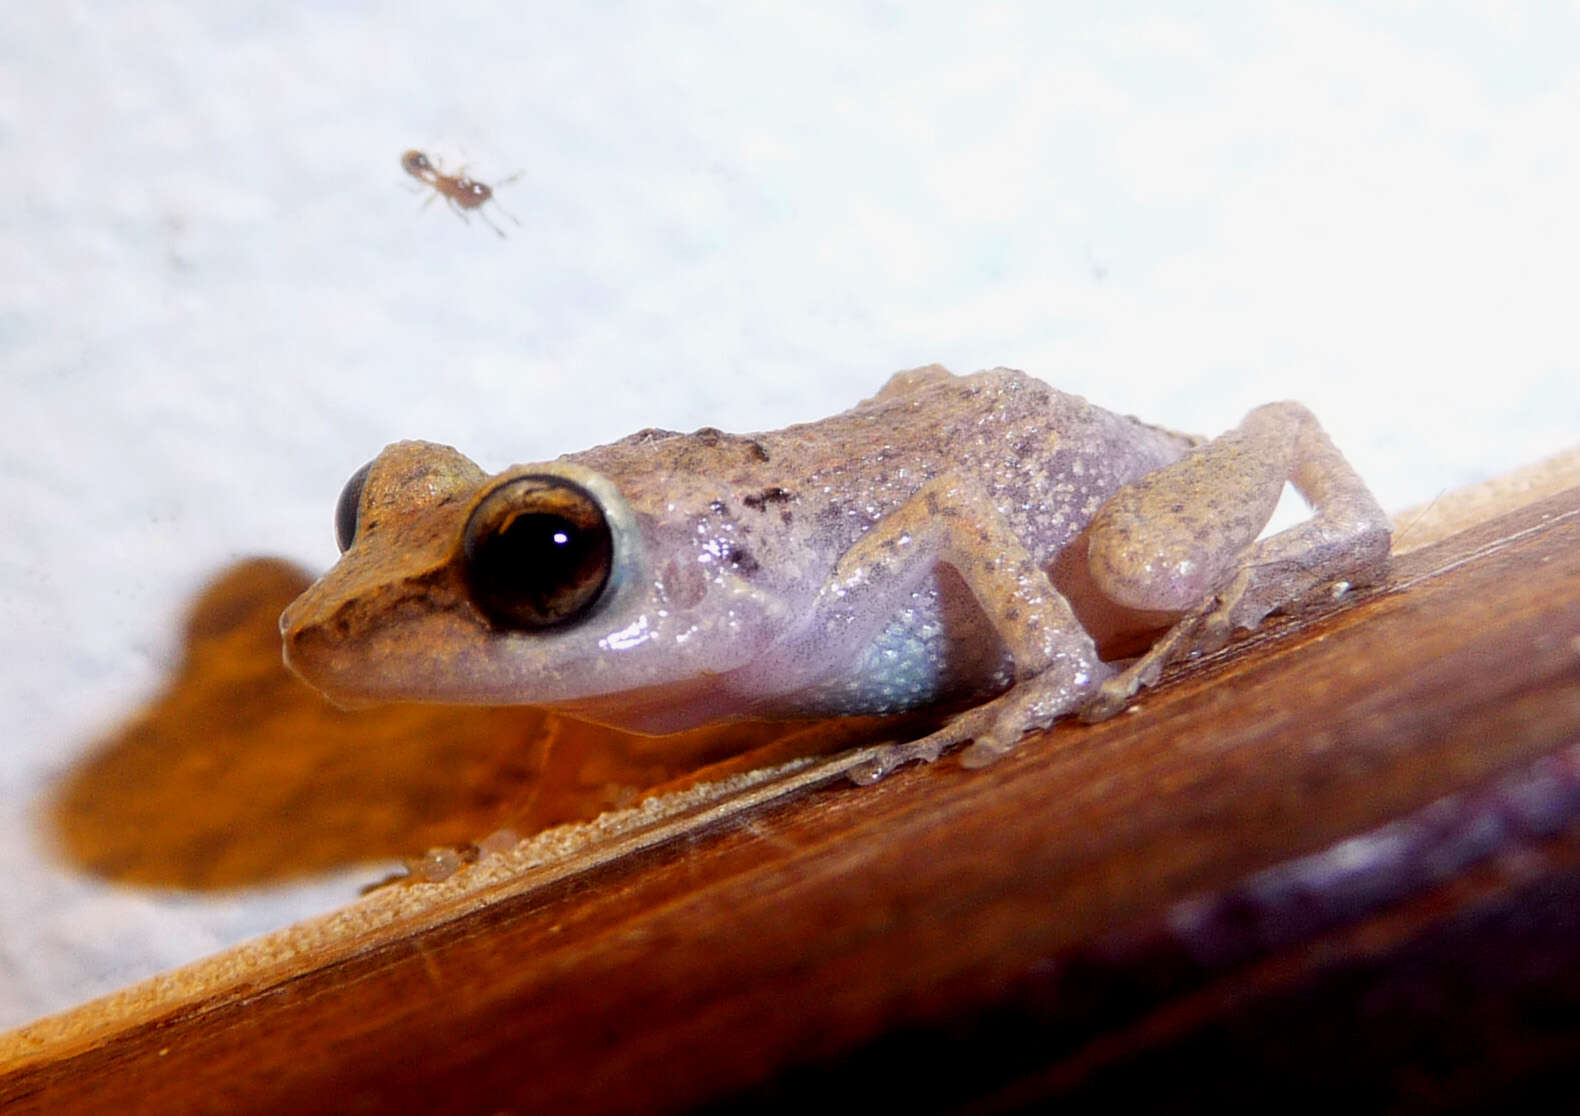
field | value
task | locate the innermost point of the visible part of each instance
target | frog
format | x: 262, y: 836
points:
x: 982, y: 544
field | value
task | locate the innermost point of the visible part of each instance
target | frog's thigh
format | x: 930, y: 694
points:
x: 1183, y: 537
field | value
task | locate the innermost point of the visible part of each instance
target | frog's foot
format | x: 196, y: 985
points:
x: 1200, y: 631
x: 1254, y: 593
x: 994, y: 727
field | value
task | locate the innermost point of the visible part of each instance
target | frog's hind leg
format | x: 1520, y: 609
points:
x: 1183, y: 538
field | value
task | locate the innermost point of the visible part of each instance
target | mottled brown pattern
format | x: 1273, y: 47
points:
x: 704, y: 608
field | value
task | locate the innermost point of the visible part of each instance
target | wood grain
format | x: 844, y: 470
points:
x: 1340, y: 859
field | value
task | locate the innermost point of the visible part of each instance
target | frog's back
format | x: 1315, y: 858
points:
x: 1046, y: 458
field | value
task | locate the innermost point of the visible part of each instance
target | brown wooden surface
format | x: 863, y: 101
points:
x: 1099, y: 917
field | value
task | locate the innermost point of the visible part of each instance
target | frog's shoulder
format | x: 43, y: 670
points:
x: 912, y: 381
x: 646, y: 436
x: 706, y: 450
x: 931, y: 379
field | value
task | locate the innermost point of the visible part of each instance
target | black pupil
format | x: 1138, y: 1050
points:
x: 527, y: 568
x: 551, y: 546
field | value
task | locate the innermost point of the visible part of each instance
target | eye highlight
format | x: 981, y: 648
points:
x: 348, y: 509
x: 538, y: 552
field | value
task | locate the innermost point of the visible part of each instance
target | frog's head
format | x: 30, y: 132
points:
x: 542, y: 585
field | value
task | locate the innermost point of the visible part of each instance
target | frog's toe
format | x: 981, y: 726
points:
x: 984, y: 751
x: 1109, y: 700
x: 1114, y: 694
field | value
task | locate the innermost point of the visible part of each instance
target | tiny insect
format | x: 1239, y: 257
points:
x: 460, y: 191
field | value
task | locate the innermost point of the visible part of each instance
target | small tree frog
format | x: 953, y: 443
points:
x: 983, y: 540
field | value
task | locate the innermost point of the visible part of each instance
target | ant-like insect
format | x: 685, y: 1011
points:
x: 461, y: 192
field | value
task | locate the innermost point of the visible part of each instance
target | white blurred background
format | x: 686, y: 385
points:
x: 219, y: 295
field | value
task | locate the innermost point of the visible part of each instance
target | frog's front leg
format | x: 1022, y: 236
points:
x: 1183, y: 538
x: 949, y: 521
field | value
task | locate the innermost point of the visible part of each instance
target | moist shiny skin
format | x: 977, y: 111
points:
x: 941, y: 539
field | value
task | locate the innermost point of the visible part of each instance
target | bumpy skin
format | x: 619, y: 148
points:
x: 952, y: 538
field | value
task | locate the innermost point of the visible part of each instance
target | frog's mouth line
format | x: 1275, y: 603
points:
x: 377, y: 671
x: 424, y: 641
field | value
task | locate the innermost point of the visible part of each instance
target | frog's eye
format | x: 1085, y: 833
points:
x: 348, y: 508
x: 538, y: 552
